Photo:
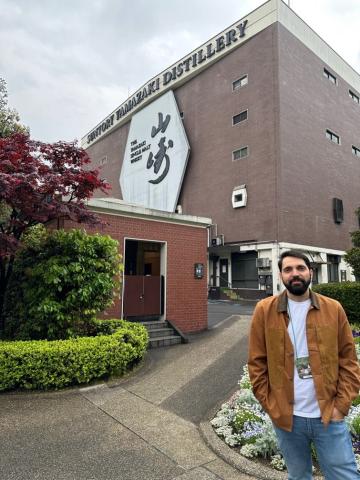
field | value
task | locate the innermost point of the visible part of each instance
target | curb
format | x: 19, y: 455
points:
x: 233, y: 458
x: 236, y: 460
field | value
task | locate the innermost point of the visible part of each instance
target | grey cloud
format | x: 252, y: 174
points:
x: 70, y: 63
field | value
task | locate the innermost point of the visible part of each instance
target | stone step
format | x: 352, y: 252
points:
x: 161, y: 332
x: 155, y: 324
x: 164, y: 341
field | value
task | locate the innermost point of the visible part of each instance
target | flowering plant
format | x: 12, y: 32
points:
x: 243, y: 423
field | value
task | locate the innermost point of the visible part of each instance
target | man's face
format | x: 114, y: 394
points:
x: 295, y: 275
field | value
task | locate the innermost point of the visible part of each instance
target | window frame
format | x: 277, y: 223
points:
x: 354, y: 96
x: 330, y: 135
x: 236, y: 88
x: 238, y: 114
x: 330, y: 76
x: 355, y: 150
x: 239, y: 150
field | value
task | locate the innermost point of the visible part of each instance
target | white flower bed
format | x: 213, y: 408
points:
x: 242, y: 422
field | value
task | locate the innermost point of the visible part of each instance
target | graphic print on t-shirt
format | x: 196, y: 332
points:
x: 303, y: 367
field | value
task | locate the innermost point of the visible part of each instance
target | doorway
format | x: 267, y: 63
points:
x: 144, y: 280
x: 224, y: 272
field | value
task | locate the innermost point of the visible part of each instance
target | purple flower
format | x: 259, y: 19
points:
x: 356, y: 443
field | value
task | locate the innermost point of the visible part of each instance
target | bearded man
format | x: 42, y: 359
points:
x: 305, y: 373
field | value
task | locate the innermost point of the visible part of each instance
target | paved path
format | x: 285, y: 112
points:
x: 144, y: 427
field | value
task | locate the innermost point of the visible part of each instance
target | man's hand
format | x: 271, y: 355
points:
x: 336, y: 416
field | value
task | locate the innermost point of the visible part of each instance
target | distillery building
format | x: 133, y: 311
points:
x: 258, y: 130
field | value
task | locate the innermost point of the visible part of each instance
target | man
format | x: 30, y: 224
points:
x: 305, y: 373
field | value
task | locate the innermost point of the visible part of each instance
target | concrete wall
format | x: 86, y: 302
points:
x: 312, y: 169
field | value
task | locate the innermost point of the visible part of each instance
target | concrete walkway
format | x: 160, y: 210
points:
x: 142, y: 427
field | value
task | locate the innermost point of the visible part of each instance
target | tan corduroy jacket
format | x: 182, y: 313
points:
x: 333, y: 360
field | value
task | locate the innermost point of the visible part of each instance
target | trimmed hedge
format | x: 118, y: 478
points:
x: 347, y: 293
x: 42, y: 364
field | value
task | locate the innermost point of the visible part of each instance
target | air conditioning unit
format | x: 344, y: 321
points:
x: 217, y: 241
x: 263, y: 262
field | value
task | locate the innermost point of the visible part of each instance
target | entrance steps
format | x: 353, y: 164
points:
x: 163, y: 334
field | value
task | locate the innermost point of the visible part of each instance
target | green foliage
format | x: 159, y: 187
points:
x: 244, y: 382
x: 42, y: 364
x: 347, y: 293
x: 9, y: 118
x: 352, y: 257
x: 244, y: 416
x: 356, y: 426
x: 267, y: 444
x: 355, y: 237
x: 61, y: 280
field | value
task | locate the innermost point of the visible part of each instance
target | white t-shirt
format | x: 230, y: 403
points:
x: 306, y: 404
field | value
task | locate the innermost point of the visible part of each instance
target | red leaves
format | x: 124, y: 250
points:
x: 41, y: 182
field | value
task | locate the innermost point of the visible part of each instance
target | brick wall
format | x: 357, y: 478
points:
x: 186, y: 297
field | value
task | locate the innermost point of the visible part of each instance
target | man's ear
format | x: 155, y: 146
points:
x: 311, y: 273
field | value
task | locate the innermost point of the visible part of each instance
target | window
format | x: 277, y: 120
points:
x: 333, y: 137
x: 240, y: 82
x: 354, y: 96
x: 240, y: 153
x: 240, y: 117
x: 355, y: 151
x: 333, y: 268
x: 330, y: 76
x: 338, y: 210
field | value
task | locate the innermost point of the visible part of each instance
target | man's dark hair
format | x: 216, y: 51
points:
x: 293, y: 253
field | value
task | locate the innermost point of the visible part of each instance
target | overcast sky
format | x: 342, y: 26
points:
x: 69, y: 63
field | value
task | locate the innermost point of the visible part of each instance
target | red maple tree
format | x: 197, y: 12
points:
x: 40, y: 183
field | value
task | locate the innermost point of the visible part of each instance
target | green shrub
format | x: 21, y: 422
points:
x: 42, y: 364
x: 352, y: 257
x: 61, y: 280
x: 347, y: 293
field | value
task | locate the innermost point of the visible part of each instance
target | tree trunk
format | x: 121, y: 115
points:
x: 6, y: 268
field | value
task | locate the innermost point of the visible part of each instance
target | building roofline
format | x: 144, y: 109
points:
x: 114, y: 206
x: 256, y: 21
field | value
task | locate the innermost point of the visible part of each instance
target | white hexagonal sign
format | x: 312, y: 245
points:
x: 155, y: 156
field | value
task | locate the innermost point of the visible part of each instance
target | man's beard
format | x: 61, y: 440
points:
x: 298, y: 289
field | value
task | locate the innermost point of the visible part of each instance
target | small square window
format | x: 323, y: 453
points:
x: 355, y: 151
x: 330, y: 76
x: 240, y: 82
x: 240, y: 117
x: 240, y: 153
x: 355, y: 97
x: 333, y: 137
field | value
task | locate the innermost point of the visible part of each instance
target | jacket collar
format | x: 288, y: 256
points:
x: 283, y: 301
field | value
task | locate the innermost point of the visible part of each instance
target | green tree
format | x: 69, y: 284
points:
x: 352, y: 256
x: 60, y: 281
x: 9, y: 117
